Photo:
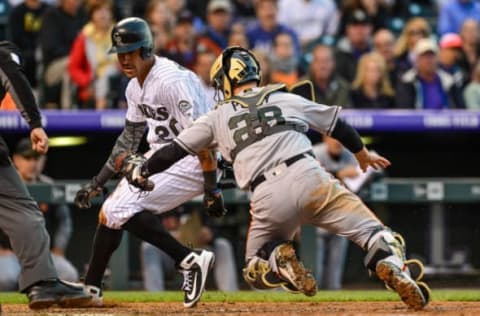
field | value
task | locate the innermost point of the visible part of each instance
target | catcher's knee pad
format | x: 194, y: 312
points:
x: 385, y: 244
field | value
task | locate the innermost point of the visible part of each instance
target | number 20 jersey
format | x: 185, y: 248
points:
x: 226, y: 126
x: 171, y: 98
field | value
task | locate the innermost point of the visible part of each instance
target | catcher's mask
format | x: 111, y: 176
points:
x: 131, y: 34
x: 235, y: 66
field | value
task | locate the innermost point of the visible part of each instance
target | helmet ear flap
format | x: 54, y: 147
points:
x: 145, y: 52
x: 227, y: 87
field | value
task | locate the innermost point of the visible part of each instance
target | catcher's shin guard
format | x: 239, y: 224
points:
x: 386, y: 257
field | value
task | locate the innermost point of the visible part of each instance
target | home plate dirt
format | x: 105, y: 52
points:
x: 249, y: 308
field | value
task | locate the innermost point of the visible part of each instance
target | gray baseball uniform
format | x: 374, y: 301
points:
x: 292, y: 193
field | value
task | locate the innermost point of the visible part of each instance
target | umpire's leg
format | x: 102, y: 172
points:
x: 24, y: 224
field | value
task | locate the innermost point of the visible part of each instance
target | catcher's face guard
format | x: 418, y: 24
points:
x: 235, y: 66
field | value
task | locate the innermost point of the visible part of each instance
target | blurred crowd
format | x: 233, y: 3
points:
x: 358, y: 53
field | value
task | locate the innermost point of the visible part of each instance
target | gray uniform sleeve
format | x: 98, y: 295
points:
x: 199, y: 136
x: 320, y: 117
x: 128, y: 141
x: 14, y: 81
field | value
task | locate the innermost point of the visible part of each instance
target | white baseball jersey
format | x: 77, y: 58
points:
x: 227, y: 126
x: 169, y: 100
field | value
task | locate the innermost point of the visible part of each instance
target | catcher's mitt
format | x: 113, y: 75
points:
x: 130, y: 165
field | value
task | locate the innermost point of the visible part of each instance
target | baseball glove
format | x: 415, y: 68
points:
x: 214, y: 204
x: 87, y: 193
x: 130, y: 165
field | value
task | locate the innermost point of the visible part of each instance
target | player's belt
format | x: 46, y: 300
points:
x: 290, y: 161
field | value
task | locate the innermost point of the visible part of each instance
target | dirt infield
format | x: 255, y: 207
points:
x: 282, y: 309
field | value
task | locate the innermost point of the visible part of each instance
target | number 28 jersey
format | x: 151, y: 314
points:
x: 228, y: 125
x: 170, y: 99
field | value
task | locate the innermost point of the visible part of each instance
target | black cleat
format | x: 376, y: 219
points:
x: 44, y: 294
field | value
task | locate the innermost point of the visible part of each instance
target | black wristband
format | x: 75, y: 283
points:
x: 35, y: 124
x: 210, y: 178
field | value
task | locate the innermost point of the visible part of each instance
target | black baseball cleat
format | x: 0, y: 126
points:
x: 46, y: 293
x: 195, y: 269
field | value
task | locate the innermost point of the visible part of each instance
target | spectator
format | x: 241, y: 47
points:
x: 309, y: 19
x: 449, y: 58
x: 261, y: 34
x: 238, y: 38
x: 265, y: 67
x: 157, y: 265
x: 329, y: 88
x: 384, y: 43
x: 471, y: 93
x: 356, y: 43
x: 219, y: 19
x: 331, y: 248
x: 161, y: 23
x: 60, y: 27
x: 203, y: 63
x: 177, y: 6
x: 30, y: 165
x: 415, y: 29
x: 182, y: 47
x: 453, y: 14
x: 371, y: 88
x: 90, y: 66
x: 284, y: 60
x: 379, y: 12
x: 425, y: 86
x: 117, y: 11
x: 245, y: 10
x: 24, y: 25
x: 470, y: 45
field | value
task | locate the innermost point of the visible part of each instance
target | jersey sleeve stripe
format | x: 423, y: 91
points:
x: 185, y: 147
x: 334, y: 121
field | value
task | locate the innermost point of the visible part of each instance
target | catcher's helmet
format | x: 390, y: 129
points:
x: 235, y: 66
x: 131, y: 34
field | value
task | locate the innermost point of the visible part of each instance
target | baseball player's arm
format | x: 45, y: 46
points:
x: 212, y: 196
x: 193, y: 140
x: 127, y: 142
x: 325, y: 119
x: 349, y: 137
x: 15, y: 82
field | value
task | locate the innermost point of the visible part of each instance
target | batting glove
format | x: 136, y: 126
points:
x: 213, y: 203
x: 86, y: 193
x: 130, y: 165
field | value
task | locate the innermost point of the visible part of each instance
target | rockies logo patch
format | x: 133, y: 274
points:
x: 184, y: 106
x: 117, y: 38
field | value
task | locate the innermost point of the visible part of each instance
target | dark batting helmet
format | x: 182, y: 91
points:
x: 235, y: 66
x: 131, y: 34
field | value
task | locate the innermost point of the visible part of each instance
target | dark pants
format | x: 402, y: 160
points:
x: 22, y: 221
